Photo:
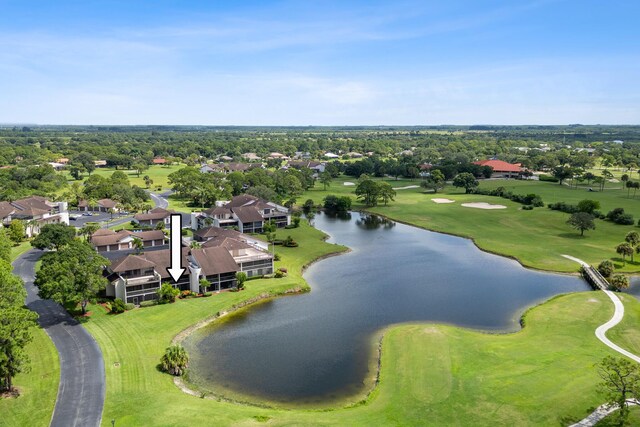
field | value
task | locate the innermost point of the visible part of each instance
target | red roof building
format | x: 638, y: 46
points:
x: 499, y: 166
x: 159, y: 161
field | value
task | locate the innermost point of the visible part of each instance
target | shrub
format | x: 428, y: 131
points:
x: 276, y: 257
x: 107, y: 305
x: 185, y: 294
x: 527, y: 208
x: 207, y: 294
x: 278, y: 274
x: 547, y: 178
x: 563, y: 207
x: 283, y: 269
x: 149, y: 303
x: 117, y: 306
x: 588, y: 206
x: 241, y: 277
x: 296, y: 221
x: 619, y: 281
x: 167, y: 294
x: 606, y: 268
x: 289, y: 242
x: 337, y: 203
x: 175, y: 360
x: 618, y: 216
x: 129, y: 306
x: 183, y: 232
x: 531, y: 199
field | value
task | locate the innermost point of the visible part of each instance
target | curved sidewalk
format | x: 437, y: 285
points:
x: 82, y: 378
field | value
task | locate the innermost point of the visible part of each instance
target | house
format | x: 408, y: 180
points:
x: 36, y: 211
x: 137, y: 277
x: 153, y: 217
x: 102, y: 205
x: 159, y: 161
x: 246, y: 213
x: 317, y: 167
x: 278, y: 156
x: 331, y: 156
x: 354, y: 155
x: 57, y: 166
x: 251, y: 157
x: 100, y: 163
x: 63, y: 160
x: 228, y: 167
x: 105, y: 240
x: 501, y: 169
x: 212, y: 234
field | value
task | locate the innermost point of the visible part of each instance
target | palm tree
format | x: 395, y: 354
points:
x: 138, y: 244
x: 175, y: 360
x: 633, y: 239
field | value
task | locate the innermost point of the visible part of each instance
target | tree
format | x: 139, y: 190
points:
x: 88, y: 229
x: 16, y: 322
x: 175, y: 360
x: 337, y: 204
x: 368, y: 191
x: 465, y: 180
x: 138, y: 244
x: 625, y: 180
x: 435, y: 181
x: 54, y: 236
x: 325, y: 179
x: 72, y: 274
x: 633, y: 239
x: 386, y: 192
x: 5, y: 246
x: 204, y: 284
x: 620, y: 382
x: 582, y: 221
x: 562, y: 173
x: 16, y: 231
x: 167, y: 293
x: 140, y: 167
x: 606, y: 268
x: 147, y: 181
x: 241, y: 277
x: 624, y: 249
x: 619, y: 281
x: 588, y: 206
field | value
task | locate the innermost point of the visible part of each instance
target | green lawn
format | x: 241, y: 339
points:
x: 38, y: 388
x: 157, y: 173
x: 536, y: 238
x: 16, y: 251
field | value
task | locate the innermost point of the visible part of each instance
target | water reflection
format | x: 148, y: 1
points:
x: 373, y: 222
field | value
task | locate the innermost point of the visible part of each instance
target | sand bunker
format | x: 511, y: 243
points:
x: 349, y: 183
x: 483, y: 205
x: 442, y: 201
x: 407, y: 187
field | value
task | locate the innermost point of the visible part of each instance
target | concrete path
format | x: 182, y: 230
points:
x: 82, y: 379
x: 603, y: 410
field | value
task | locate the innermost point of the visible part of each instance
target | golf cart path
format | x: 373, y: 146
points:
x: 603, y: 410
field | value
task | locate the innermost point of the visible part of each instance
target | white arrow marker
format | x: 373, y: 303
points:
x: 176, y: 270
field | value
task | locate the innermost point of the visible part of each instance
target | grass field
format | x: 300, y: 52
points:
x: 158, y: 174
x: 38, y: 388
x: 16, y: 251
x: 536, y: 238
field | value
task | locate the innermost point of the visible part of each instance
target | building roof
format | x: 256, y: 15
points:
x: 218, y: 210
x: 155, y: 213
x: 159, y: 161
x: 33, y: 202
x: 131, y: 262
x: 6, y: 209
x: 248, y: 214
x: 499, y: 165
x: 228, y: 243
x: 241, y: 200
x: 102, y: 232
x: 103, y: 203
x: 101, y: 238
x: 214, y: 232
x: 214, y: 260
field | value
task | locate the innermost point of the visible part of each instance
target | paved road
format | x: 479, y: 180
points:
x: 82, y: 379
x: 159, y: 201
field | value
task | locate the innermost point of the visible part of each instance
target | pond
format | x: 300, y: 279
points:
x: 320, y: 347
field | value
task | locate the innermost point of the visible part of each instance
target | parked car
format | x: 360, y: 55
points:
x: 87, y: 214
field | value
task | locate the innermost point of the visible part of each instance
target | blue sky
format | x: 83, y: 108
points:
x: 319, y: 63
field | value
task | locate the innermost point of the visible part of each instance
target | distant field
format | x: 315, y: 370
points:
x: 536, y: 238
x: 157, y: 173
